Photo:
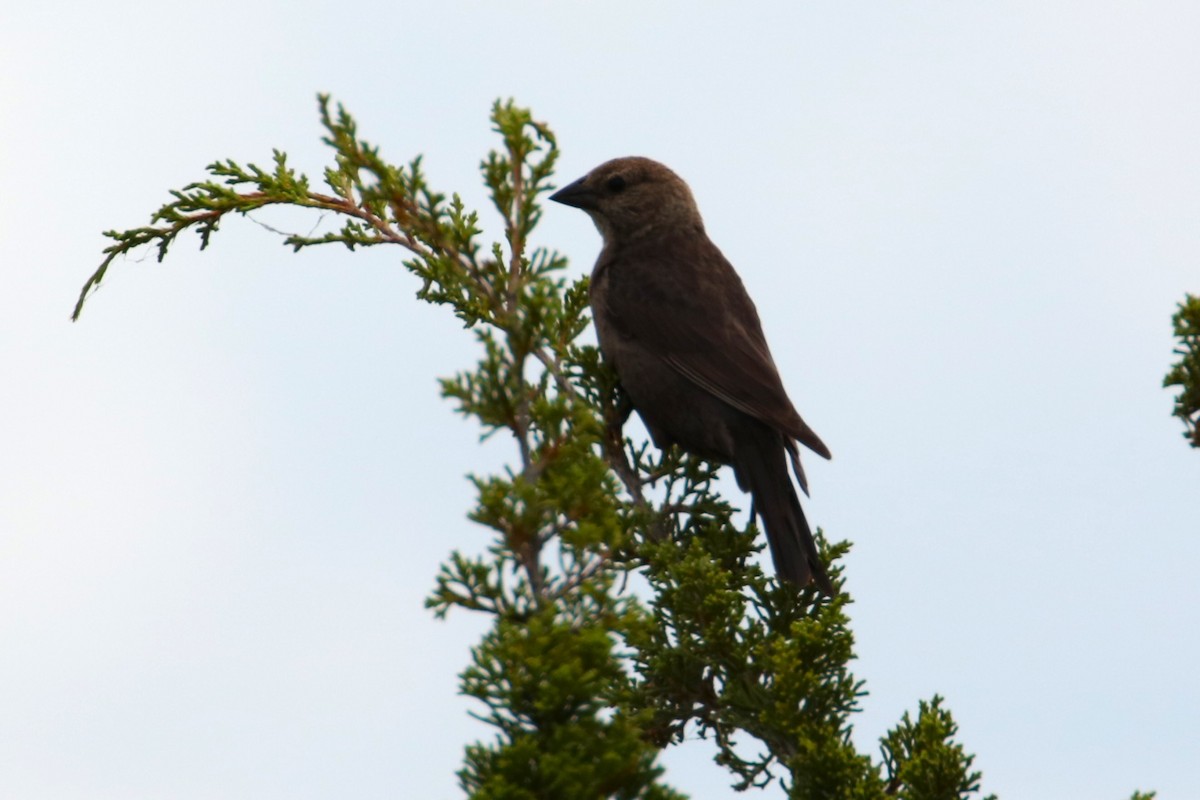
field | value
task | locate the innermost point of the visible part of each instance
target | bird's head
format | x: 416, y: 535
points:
x: 630, y: 197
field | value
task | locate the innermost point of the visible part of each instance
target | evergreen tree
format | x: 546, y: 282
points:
x: 626, y: 609
x: 1185, y: 373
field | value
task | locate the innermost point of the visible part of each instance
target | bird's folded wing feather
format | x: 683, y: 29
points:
x: 695, y: 315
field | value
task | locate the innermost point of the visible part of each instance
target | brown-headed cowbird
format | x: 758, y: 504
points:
x: 674, y: 320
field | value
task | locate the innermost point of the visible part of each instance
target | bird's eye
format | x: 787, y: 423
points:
x: 616, y: 183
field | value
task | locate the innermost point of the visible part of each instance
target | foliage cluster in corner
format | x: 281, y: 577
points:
x: 1185, y: 373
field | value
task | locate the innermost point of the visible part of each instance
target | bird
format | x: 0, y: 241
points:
x: 674, y: 320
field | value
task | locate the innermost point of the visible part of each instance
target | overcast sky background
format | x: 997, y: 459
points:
x: 225, y: 492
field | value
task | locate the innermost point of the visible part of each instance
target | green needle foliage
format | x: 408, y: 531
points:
x: 1185, y: 373
x: 628, y: 609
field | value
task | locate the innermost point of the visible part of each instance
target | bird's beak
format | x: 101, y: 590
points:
x: 576, y: 194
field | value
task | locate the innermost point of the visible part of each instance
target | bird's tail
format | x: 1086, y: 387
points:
x: 761, y: 465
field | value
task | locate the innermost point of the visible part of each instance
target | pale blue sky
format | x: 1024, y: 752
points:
x: 224, y: 494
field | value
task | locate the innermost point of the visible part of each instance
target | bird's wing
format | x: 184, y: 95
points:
x: 683, y: 301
